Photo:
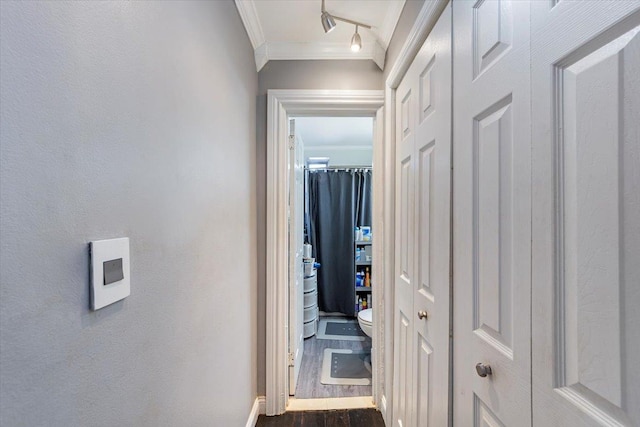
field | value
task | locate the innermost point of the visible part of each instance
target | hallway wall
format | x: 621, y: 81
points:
x: 407, y: 19
x: 127, y: 119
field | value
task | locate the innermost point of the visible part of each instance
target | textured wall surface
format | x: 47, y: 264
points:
x: 127, y: 119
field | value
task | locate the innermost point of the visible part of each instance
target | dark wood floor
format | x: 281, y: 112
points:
x: 309, y: 385
x: 338, y: 418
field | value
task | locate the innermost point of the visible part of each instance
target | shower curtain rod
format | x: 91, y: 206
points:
x: 337, y: 168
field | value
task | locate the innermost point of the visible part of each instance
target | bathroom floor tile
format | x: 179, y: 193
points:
x: 309, y: 385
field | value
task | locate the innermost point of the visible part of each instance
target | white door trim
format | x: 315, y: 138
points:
x: 281, y: 104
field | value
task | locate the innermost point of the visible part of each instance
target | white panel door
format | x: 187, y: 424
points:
x: 296, y: 272
x: 586, y: 213
x: 423, y: 176
x: 492, y: 213
x: 403, y: 277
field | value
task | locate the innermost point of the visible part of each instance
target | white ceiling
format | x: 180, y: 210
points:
x: 333, y: 132
x: 291, y: 29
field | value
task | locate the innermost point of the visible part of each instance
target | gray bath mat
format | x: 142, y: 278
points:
x: 340, y: 329
x: 345, y: 367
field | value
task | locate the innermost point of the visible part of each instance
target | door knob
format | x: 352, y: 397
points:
x: 483, y: 370
x: 422, y: 314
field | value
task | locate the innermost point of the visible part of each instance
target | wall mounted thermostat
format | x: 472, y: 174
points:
x: 110, y: 280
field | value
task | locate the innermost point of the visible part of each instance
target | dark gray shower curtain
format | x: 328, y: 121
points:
x: 362, y: 198
x: 339, y: 201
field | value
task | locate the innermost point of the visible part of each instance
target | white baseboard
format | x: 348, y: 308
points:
x: 259, y: 407
x: 385, y: 410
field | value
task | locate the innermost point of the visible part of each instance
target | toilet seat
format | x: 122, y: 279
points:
x: 366, y: 316
x: 365, y: 320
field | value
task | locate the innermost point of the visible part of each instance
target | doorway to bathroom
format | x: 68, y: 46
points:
x: 285, y: 247
x: 331, y: 316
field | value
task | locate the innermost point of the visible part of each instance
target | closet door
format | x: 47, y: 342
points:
x: 423, y: 176
x: 403, y: 286
x: 586, y: 213
x: 492, y: 213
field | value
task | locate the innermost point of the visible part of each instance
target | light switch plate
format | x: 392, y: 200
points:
x: 104, y: 251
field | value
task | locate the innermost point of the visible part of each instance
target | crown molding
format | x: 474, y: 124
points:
x: 251, y: 21
x: 390, y: 22
x: 261, y: 57
x: 378, y: 55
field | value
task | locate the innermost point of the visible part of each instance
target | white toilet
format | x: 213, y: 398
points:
x: 365, y: 320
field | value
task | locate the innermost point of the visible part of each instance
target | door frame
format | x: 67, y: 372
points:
x: 281, y: 104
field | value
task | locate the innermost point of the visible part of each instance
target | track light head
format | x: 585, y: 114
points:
x: 356, y: 41
x: 328, y: 23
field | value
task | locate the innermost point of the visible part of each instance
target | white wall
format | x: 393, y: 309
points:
x: 347, y: 141
x: 127, y: 119
x: 342, y: 156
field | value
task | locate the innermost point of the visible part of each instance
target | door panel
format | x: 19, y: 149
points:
x: 433, y: 227
x: 492, y: 33
x: 402, y: 381
x: 296, y: 241
x: 586, y: 243
x: 493, y: 230
x: 424, y: 215
x: 492, y: 216
x: 423, y: 176
x: 406, y: 190
x: 483, y: 417
x: 424, y: 378
x: 403, y: 350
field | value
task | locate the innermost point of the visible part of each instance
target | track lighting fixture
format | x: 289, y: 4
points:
x: 329, y: 23
x: 356, y: 41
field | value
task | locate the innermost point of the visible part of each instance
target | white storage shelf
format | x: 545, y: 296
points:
x: 310, y: 304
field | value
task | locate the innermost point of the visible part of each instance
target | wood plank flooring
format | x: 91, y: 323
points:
x: 309, y: 385
x: 338, y: 418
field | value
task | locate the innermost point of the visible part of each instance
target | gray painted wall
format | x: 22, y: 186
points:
x: 407, y: 18
x: 127, y: 119
x: 319, y: 74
